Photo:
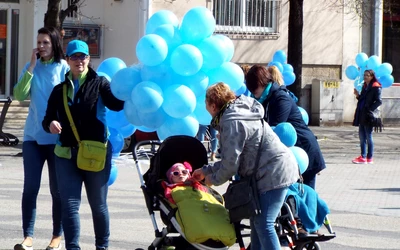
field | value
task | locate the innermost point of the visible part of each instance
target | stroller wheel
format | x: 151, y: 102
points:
x: 307, y: 246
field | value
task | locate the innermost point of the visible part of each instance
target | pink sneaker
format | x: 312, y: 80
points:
x: 370, y: 161
x: 359, y: 160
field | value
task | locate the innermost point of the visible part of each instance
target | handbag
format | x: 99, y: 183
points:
x: 91, y: 154
x: 241, y: 197
x: 375, y: 120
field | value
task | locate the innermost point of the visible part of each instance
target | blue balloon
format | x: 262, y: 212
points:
x: 197, y: 24
x: 301, y: 158
x: 288, y: 77
x: 276, y: 64
x: 170, y: 34
x: 110, y: 66
x: 179, y: 101
x: 124, y: 81
x: 159, y: 18
x: 198, y: 83
x: 160, y: 74
x: 213, y: 52
x: 287, y: 67
x: 229, y: 47
x: 151, y: 50
x: 373, y: 62
x: 361, y: 60
x: 127, y: 130
x: 183, y: 126
x: 201, y: 113
x: 286, y: 133
x: 229, y: 73
x: 242, y: 90
x: 386, y: 81
x: 131, y: 113
x: 304, y: 114
x: 279, y: 56
x: 147, y: 97
x: 186, y: 60
x: 384, y: 69
x: 352, y: 72
x: 113, y: 174
x: 116, y: 140
x: 153, y: 120
x: 116, y: 119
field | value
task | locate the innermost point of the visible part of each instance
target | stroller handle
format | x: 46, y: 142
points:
x: 152, y: 143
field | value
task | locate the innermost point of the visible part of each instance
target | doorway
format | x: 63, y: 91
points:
x: 9, y: 40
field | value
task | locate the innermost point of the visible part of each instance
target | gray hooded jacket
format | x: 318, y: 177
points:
x: 240, y: 129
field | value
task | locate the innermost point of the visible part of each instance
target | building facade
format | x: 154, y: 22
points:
x: 332, y: 37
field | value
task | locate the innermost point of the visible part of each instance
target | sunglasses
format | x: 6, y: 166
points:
x: 177, y: 173
x: 80, y: 57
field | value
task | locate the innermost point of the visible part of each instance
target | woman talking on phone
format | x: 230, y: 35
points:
x: 46, y: 69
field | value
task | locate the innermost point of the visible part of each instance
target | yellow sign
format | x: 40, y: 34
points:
x: 331, y: 84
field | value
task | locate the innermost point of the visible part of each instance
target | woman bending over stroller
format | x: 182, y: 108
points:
x: 239, y: 122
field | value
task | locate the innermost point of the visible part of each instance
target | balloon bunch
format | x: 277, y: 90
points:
x: 118, y: 128
x: 165, y: 92
x: 279, y: 60
x: 288, y: 136
x: 383, y: 71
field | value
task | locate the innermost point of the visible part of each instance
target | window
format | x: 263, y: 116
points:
x: 247, y: 17
x: 391, y: 36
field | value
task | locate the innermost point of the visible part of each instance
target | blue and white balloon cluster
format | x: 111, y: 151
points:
x: 279, y: 60
x: 383, y: 71
x: 165, y: 92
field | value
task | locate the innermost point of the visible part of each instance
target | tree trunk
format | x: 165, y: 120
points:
x: 295, y: 43
x: 52, y: 16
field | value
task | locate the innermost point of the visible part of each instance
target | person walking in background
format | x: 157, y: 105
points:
x: 368, y: 101
x: 46, y: 69
x: 88, y: 96
x: 201, y: 134
x: 242, y: 132
x: 280, y: 107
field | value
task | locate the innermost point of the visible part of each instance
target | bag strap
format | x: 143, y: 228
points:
x: 259, y: 148
x: 71, y: 121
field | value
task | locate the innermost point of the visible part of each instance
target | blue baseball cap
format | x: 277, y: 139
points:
x: 77, y: 46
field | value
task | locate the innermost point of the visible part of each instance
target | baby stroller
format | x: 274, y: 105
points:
x: 162, y: 156
x: 288, y: 231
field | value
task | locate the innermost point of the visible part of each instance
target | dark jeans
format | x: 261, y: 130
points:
x: 70, y: 179
x: 365, y: 134
x: 34, y: 156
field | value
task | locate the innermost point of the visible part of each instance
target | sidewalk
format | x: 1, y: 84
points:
x: 353, y: 192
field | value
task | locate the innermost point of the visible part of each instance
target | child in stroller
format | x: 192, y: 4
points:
x: 200, y: 214
x: 217, y: 232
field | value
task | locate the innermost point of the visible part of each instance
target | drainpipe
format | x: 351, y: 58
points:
x: 144, y: 10
x: 377, y: 29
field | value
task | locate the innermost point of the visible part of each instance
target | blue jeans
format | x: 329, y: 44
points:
x: 263, y: 234
x: 365, y: 134
x: 70, y: 179
x: 213, y: 134
x: 34, y: 156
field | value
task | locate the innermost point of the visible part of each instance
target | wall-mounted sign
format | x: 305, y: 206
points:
x: 331, y: 84
x: 3, y: 31
x: 88, y: 33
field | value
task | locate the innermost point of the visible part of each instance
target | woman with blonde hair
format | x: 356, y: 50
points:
x: 242, y: 131
x: 276, y: 75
